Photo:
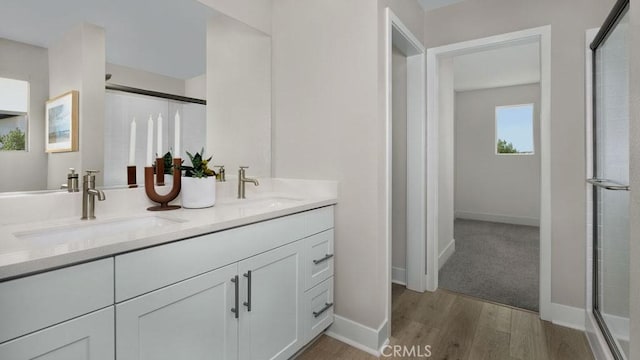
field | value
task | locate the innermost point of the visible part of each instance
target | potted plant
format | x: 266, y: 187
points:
x: 167, y: 162
x: 198, y: 183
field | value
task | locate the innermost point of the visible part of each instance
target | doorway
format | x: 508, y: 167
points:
x: 405, y: 157
x: 440, y: 161
x: 493, y: 251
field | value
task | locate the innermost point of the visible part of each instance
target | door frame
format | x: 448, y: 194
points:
x: 399, y: 35
x: 542, y: 35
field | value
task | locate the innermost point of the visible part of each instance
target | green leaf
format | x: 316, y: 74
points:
x: 13, y: 140
x: 506, y: 148
x: 168, y: 163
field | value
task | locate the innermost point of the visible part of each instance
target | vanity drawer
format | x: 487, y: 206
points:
x: 319, y: 220
x: 318, y: 309
x: 146, y: 270
x: 318, y: 258
x: 38, y: 301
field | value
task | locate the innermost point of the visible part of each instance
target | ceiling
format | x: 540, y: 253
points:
x: 168, y: 38
x: 434, y: 4
x: 506, y: 66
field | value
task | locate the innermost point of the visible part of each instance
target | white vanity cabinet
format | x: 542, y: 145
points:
x: 257, y: 291
x: 200, y: 316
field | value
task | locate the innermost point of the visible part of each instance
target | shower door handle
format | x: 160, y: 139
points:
x: 608, y: 184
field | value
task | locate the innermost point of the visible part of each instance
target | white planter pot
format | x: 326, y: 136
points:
x: 198, y: 193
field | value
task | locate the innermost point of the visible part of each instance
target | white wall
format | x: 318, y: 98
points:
x: 14, y: 95
x: 127, y: 76
x: 329, y: 116
x: 503, y: 188
x: 77, y: 62
x: 505, y: 66
x: 29, y: 63
x: 196, y: 87
x: 255, y: 13
x: 399, y: 180
x: 473, y: 19
x: 238, y: 96
x: 326, y: 127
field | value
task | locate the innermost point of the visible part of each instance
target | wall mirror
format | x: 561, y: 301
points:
x: 165, y: 50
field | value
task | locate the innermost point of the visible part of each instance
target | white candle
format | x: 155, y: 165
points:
x: 160, y: 153
x: 150, y: 142
x: 132, y: 144
x: 177, y: 134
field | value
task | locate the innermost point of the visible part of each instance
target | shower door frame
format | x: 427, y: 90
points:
x: 619, y: 10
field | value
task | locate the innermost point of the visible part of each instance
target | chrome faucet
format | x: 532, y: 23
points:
x: 89, y: 193
x: 242, y: 180
x: 220, y: 176
x: 72, y: 181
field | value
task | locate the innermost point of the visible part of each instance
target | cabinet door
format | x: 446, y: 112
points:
x: 88, y: 337
x: 271, y: 295
x: 192, y: 319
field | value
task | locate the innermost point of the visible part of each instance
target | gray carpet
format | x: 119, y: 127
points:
x: 495, y: 262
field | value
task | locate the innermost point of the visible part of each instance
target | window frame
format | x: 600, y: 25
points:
x: 533, y: 134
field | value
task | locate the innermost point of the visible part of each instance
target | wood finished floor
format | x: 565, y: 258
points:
x: 461, y: 327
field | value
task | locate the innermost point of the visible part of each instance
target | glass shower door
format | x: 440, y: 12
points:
x: 610, y: 187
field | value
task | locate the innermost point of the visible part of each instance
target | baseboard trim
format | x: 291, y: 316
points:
x: 357, y: 335
x: 568, y: 316
x: 430, y: 285
x: 399, y: 276
x: 507, y: 219
x: 446, y: 253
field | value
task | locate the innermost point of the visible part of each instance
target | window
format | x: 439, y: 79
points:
x: 14, y: 104
x: 514, y: 130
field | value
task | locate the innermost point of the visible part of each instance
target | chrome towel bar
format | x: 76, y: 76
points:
x: 608, y: 184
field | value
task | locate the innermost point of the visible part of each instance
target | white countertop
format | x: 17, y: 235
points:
x: 19, y: 256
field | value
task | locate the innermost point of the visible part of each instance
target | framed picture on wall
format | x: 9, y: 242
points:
x: 62, y: 123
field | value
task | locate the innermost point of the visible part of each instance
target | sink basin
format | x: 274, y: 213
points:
x: 93, y: 230
x: 268, y: 203
x: 258, y: 205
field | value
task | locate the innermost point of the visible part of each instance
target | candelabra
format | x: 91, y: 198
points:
x: 149, y: 185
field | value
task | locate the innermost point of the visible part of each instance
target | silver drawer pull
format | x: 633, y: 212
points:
x: 234, y: 310
x: 608, y: 184
x: 327, y: 257
x: 326, y: 307
x: 248, y: 302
